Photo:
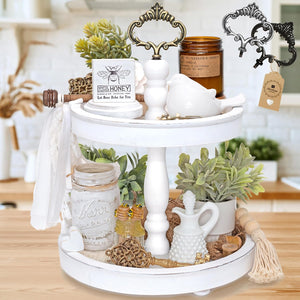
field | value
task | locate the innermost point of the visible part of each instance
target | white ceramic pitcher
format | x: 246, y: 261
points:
x: 189, y: 236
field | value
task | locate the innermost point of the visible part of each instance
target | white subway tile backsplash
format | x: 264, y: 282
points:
x: 254, y: 120
x: 281, y: 135
x: 287, y: 116
x: 295, y: 136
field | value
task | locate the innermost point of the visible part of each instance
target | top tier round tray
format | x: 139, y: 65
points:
x: 155, y: 133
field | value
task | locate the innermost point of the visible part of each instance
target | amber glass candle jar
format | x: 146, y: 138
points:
x: 201, y: 59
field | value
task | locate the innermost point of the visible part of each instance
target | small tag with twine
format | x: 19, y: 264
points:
x: 271, y: 93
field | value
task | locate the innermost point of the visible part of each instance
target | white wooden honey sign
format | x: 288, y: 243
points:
x: 113, y: 80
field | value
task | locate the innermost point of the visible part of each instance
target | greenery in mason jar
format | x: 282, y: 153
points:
x: 103, y: 40
x: 131, y: 183
x: 220, y: 178
x: 265, y: 149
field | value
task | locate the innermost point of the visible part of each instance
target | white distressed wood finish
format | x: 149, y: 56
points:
x: 156, y: 191
x: 197, y: 279
x: 156, y: 185
x: 156, y: 91
x: 155, y: 133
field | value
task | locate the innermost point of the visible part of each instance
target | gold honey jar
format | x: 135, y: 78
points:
x: 201, y: 59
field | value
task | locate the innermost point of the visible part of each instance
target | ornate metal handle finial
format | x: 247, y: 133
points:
x: 252, y: 11
x: 156, y: 13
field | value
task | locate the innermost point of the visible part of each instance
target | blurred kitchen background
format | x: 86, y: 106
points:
x: 60, y: 23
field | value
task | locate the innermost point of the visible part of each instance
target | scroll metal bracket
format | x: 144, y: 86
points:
x: 252, y: 11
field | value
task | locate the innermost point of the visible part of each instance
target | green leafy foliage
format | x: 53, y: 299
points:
x: 265, y: 149
x: 103, y: 40
x: 233, y: 144
x: 220, y: 178
x: 131, y: 183
x: 261, y: 148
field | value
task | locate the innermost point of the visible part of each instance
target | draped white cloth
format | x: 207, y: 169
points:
x: 53, y: 164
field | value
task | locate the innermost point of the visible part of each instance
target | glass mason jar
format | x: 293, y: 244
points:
x: 95, y: 196
x: 201, y: 59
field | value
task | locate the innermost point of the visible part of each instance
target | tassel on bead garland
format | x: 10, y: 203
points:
x: 266, y: 267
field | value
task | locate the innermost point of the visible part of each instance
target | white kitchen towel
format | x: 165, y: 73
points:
x: 53, y: 164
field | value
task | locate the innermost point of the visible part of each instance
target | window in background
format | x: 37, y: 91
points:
x: 286, y: 11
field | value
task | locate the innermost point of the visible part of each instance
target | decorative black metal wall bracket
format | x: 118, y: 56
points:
x: 285, y: 30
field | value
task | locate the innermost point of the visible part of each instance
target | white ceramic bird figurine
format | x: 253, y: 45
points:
x: 188, y: 98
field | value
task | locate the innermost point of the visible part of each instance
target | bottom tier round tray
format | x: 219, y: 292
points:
x: 198, y: 279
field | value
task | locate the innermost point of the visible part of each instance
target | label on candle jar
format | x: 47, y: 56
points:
x: 200, y: 66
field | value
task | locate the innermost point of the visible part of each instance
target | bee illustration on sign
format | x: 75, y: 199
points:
x: 113, y: 74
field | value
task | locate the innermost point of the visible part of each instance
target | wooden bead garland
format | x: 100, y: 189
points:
x: 266, y: 267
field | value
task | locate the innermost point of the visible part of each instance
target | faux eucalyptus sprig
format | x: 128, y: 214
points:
x: 220, y: 178
x: 131, y: 183
x: 103, y: 40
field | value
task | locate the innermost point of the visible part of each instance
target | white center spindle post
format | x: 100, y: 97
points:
x: 156, y: 180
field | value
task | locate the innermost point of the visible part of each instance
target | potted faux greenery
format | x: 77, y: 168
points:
x: 105, y: 40
x: 221, y: 180
x: 131, y: 183
x: 266, y: 152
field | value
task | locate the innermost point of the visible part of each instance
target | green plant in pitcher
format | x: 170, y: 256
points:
x: 265, y: 149
x: 220, y: 178
x: 131, y: 183
x: 103, y: 40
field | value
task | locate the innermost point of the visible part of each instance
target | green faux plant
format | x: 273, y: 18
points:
x: 220, y: 178
x: 265, y: 149
x: 233, y: 144
x: 131, y: 183
x: 103, y: 40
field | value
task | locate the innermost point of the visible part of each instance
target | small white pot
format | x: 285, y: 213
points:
x: 226, y: 221
x: 270, y: 169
